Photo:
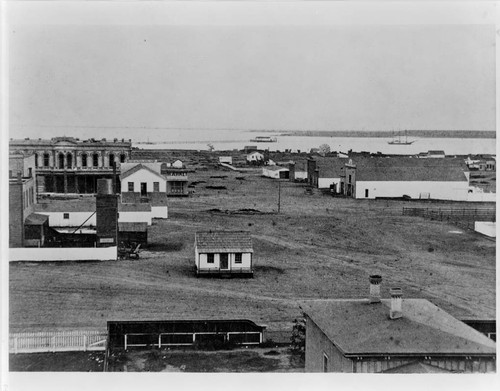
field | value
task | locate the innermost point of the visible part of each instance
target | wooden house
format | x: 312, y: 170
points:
x: 298, y: 171
x: 255, y: 157
x: 223, y: 253
x: 397, y: 177
x: 393, y: 335
x: 325, y: 172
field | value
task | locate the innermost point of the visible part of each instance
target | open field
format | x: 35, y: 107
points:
x: 318, y: 247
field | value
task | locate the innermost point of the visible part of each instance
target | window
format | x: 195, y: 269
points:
x: 84, y: 160
x: 238, y: 257
x: 46, y: 159
x: 61, y: 160
x: 325, y: 363
x: 349, y: 179
x: 36, y: 159
x: 69, y: 160
x: 210, y: 258
x: 156, y: 187
x: 111, y: 159
x: 366, y: 193
x: 122, y: 158
x: 66, y: 216
x: 95, y: 160
x: 131, y: 186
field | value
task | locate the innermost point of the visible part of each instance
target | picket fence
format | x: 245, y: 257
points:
x: 57, y: 341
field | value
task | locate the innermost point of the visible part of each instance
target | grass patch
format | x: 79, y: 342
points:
x: 57, y: 362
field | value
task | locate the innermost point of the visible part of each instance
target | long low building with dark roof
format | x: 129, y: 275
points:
x: 392, y: 335
x: 396, y: 177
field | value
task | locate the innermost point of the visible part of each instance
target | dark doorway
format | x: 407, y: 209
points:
x: 144, y: 189
x: 224, y: 264
x: 366, y: 193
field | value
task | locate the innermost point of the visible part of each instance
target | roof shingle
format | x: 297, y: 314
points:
x: 223, y: 241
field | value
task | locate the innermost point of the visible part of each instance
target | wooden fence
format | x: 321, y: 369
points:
x: 57, y: 341
x: 458, y: 216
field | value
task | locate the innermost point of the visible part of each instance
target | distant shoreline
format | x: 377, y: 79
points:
x: 389, y: 134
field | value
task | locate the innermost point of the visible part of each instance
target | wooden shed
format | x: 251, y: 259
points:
x: 133, y: 232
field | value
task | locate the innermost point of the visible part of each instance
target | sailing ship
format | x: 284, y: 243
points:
x: 264, y: 139
x: 399, y: 141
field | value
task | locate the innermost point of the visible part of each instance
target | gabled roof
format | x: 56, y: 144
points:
x: 137, y: 168
x: 224, y: 241
x: 357, y: 327
x: 276, y: 168
x: 436, y: 152
x: 330, y: 167
x: 410, y: 169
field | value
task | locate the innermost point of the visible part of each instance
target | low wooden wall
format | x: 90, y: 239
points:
x: 47, y: 254
x: 57, y: 341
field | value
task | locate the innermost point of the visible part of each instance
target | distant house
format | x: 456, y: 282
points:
x: 177, y: 180
x: 298, y: 171
x: 276, y: 172
x: 325, y: 172
x: 392, y: 336
x: 396, y: 177
x: 223, y: 253
x: 144, y: 183
x: 226, y: 159
x: 255, y: 157
x: 436, y: 154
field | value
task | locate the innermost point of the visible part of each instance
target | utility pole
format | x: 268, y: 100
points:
x: 279, y: 195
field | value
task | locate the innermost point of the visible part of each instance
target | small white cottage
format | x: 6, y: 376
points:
x: 223, y: 253
x: 255, y: 157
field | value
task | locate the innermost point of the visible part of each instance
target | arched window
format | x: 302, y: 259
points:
x: 122, y: 158
x: 69, y: 160
x: 61, y: 160
x: 95, y: 160
x: 84, y: 160
x: 36, y: 159
x: 46, y: 159
x: 111, y: 159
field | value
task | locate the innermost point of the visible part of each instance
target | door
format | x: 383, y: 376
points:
x: 224, y: 263
x: 144, y: 189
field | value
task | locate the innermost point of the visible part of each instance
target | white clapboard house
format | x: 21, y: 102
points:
x: 223, y: 253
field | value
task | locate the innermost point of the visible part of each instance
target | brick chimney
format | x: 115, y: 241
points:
x: 375, y: 281
x: 396, y: 301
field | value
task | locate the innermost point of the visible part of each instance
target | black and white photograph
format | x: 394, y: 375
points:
x: 282, y: 191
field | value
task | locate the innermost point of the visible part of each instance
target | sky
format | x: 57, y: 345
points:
x: 269, y: 66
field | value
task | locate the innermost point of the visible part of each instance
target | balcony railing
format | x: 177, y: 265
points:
x: 57, y: 169
x: 242, y: 270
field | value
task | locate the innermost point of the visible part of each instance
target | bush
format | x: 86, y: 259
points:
x: 298, y: 338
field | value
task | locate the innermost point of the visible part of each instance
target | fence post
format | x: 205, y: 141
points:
x: 53, y: 344
x: 85, y: 342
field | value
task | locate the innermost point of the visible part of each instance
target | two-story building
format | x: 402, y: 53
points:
x: 177, y: 178
x: 71, y: 165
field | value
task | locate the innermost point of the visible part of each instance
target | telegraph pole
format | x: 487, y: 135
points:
x: 279, y: 195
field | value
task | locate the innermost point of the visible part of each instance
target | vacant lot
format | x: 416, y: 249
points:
x: 318, y: 247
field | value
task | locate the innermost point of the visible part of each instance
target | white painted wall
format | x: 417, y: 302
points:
x: 455, y: 191
x: 275, y: 174
x: 255, y: 156
x: 143, y: 176
x: 301, y: 175
x: 56, y: 219
x: 63, y: 254
x: 481, y: 197
x: 487, y: 228
x: 159, y: 212
x: 246, y: 261
x: 324, y: 183
x: 135, y: 217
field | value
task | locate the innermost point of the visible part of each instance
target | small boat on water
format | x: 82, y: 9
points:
x: 264, y: 139
x: 399, y: 141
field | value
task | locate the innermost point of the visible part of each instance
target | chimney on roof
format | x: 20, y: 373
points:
x: 375, y: 281
x: 396, y: 301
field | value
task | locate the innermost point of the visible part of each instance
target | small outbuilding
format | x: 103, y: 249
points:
x: 133, y: 233
x: 255, y: 157
x: 223, y: 253
x: 276, y: 172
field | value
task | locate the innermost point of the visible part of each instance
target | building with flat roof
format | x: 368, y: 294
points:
x: 71, y: 165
